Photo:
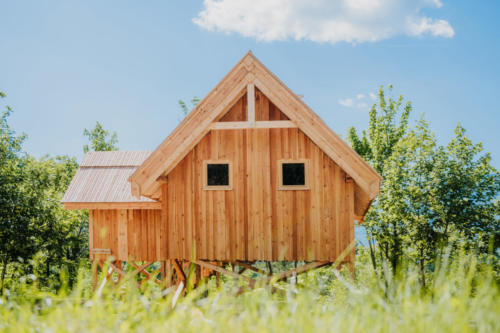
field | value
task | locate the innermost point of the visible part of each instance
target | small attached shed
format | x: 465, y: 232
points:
x: 251, y: 174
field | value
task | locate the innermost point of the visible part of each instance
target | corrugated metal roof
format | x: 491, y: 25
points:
x: 103, y: 177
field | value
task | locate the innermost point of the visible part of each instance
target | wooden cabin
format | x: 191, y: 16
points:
x: 251, y: 174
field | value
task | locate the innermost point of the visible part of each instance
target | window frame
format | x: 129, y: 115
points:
x: 207, y: 187
x: 304, y: 187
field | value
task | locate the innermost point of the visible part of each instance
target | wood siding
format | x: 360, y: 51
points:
x: 255, y: 220
x: 127, y: 233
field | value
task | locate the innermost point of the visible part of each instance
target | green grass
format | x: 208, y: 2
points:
x: 461, y: 296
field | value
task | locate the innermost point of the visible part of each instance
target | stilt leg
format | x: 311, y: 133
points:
x: 119, y: 264
x: 95, y: 272
x: 217, y: 279
x: 163, y: 272
x: 350, y: 266
x: 197, y: 275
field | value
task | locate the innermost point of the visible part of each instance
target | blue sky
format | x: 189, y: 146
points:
x: 66, y: 64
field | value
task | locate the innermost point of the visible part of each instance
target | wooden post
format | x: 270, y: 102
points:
x: 163, y: 271
x: 119, y: 265
x: 170, y: 273
x: 198, y: 275
x: 180, y: 272
x: 217, y: 279
x: 95, y: 273
x: 350, y: 266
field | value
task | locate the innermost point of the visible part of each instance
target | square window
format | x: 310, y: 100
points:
x: 292, y: 175
x: 217, y: 175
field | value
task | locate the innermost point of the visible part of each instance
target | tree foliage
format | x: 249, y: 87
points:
x: 37, y: 236
x: 377, y: 145
x: 16, y: 211
x: 100, y: 139
x: 432, y: 196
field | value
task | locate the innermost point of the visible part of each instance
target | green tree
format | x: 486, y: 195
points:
x: 376, y: 145
x: 62, y: 234
x: 37, y: 235
x: 384, y: 132
x: 464, y: 193
x: 402, y: 218
x: 435, y: 197
x: 432, y: 196
x: 16, y: 209
x: 100, y: 139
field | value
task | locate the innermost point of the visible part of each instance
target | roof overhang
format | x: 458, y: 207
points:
x: 112, y: 205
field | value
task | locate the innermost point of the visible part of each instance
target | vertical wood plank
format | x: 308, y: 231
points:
x: 251, y: 187
x: 164, y: 222
x: 266, y: 233
x: 275, y: 139
x: 349, y: 206
x: 251, y: 103
x: 122, y: 253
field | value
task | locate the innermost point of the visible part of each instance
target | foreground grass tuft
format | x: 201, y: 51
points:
x: 460, y: 297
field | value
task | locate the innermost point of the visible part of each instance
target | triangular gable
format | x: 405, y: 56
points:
x: 250, y: 71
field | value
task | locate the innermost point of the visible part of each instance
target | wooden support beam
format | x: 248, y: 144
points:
x: 298, y: 270
x: 180, y: 271
x: 119, y: 266
x: 117, y: 269
x: 147, y: 274
x: 231, y: 125
x: 275, y: 124
x: 250, y: 267
x: 95, y: 272
x: 225, y: 271
x: 136, y: 271
x: 217, y: 279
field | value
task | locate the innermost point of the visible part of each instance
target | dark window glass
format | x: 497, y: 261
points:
x: 217, y: 174
x: 293, y: 174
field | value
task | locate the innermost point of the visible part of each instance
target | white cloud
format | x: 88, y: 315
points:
x: 352, y: 21
x: 434, y: 27
x: 348, y: 102
x: 358, y: 102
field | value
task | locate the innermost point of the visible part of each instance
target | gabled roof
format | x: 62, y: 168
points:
x: 197, y: 124
x: 102, y: 181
